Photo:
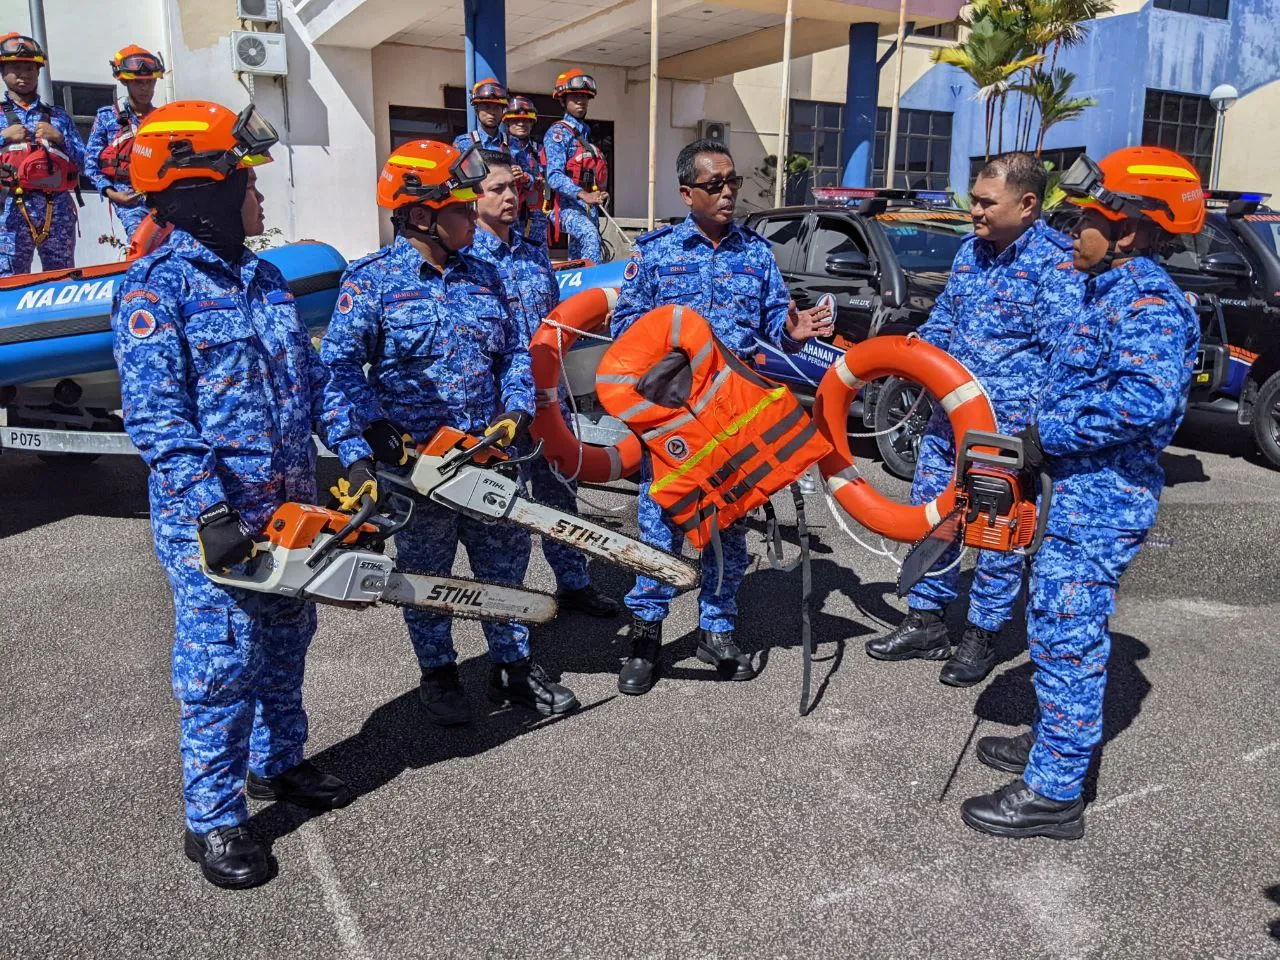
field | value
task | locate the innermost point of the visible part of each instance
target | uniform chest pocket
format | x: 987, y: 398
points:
x: 679, y: 284
x: 746, y: 287
x: 1014, y: 299
x: 411, y: 324
x: 222, y: 339
x: 1082, y: 347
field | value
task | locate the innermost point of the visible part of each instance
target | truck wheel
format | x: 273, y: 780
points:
x: 900, y: 449
x: 1266, y: 420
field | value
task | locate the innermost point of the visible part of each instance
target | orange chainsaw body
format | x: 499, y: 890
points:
x: 447, y: 440
x: 999, y: 508
x: 295, y: 526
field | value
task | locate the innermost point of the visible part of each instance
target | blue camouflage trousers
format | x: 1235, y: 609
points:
x: 717, y: 608
x: 998, y: 576
x: 584, y: 232
x: 498, y: 552
x: 17, y: 243
x: 1073, y: 587
x: 238, y: 660
x: 569, y: 565
x: 130, y: 217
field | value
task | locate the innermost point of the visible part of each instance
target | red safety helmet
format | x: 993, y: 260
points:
x: 135, y: 63
x: 520, y: 108
x: 574, y: 81
x: 14, y: 47
x: 489, y: 90
x: 1151, y: 182
x: 191, y: 139
x: 431, y: 173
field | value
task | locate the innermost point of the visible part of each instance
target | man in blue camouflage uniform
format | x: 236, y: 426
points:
x: 519, y: 118
x: 727, y: 273
x: 532, y: 293
x: 138, y: 70
x: 1010, y: 287
x: 1115, y: 394
x: 220, y: 388
x: 489, y: 99
x: 433, y: 327
x: 38, y: 219
x: 575, y: 168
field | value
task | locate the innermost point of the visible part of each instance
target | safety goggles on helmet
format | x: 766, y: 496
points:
x: 489, y: 91
x: 579, y: 83
x: 1083, y: 182
x: 15, y: 47
x: 138, y: 66
x: 465, y: 176
x: 254, y: 137
x: 520, y: 108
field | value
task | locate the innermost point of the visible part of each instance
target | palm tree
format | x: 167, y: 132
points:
x: 1051, y: 94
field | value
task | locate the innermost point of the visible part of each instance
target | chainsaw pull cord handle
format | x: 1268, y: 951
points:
x: 357, y: 520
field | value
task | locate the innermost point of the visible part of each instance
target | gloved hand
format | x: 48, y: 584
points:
x: 361, y: 481
x: 222, y: 537
x: 388, y: 442
x: 510, y: 424
x: 1032, y: 452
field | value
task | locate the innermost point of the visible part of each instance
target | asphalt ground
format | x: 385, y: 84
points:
x: 704, y: 820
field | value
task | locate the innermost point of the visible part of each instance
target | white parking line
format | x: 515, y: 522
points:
x: 1261, y: 752
x: 1128, y: 797
x: 335, y: 900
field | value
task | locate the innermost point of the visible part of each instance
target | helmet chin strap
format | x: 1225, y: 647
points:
x: 1109, y: 258
x: 431, y: 234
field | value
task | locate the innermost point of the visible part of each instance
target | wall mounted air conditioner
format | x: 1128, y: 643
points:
x: 258, y: 11
x: 259, y: 53
x: 717, y: 130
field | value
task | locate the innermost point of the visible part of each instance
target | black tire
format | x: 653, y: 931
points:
x: 901, y: 448
x: 1266, y: 420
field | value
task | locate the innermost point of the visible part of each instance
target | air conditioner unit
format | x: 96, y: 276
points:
x: 717, y: 130
x: 260, y: 53
x: 258, y: 11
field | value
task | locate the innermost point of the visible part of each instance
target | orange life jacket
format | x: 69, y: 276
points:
x: 722, y: 438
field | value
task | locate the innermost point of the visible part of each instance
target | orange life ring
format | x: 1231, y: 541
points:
x: 960, y: 394
x: 587, y: 311
x: 148, y: 235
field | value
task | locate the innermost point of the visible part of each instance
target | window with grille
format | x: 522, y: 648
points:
x: 940, y: 31
x: 815, y: 131
x: 923, y: 150
x: 1200, y: 8
x: 1183, y: 122
x: 82, y: 101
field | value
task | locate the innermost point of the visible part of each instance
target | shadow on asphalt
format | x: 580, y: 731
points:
x: 1273, y: 894
x: 1182, y: 468
x: 38, y: 492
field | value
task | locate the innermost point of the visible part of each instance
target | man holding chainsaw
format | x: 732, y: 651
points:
x: 1114, y: 395
x: 221, y: 387
x: 110, y: 148
x: 726, y: 273
x: 42, y: 156
x: 1010, y: 287
x: 432, y: 325
x: 576, y: 170
x: 532, y: 292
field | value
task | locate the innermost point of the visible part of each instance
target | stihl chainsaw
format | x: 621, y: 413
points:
x: 995, y: 506
x: 478, y: 480
x: 331, y: 557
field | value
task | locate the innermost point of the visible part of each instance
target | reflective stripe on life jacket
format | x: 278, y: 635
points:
x: 722, y: 437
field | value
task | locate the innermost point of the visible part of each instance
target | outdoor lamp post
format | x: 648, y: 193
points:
x: 1223, y: 96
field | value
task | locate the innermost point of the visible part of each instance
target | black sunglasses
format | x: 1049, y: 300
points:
x: 718, y: 184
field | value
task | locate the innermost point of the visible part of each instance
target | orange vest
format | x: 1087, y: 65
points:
x: 722, y: 438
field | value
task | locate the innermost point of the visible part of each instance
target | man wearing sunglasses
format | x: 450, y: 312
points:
x: 726, y: 273
x: 575, y: 168
x: 422, y: 337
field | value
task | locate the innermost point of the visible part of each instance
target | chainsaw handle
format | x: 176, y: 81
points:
x: 1042, y: 512
x: 401, y: 513
x: 357, y: 520
x: 533, y: 454
x: 1001, y: 442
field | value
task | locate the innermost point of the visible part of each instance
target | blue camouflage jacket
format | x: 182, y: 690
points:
x: 498, y: 141
x: 525, y: 268
x: 442, y: 349
x: 221, y: 383
x: 526, y: 156
x: 735, y: 285
x: 106, y: 127
x: 559, y: 146
x: 1000, y: 315
x: 1115, y: 395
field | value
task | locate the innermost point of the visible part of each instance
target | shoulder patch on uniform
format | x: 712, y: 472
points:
x: 654, y: 234
x: 629, y: 272
x: 1149, y: 302
x: 1066, y: 265
x: 345, y: 301
x: 557, y: 135
x: 142, y: 324
x: 140, y: 295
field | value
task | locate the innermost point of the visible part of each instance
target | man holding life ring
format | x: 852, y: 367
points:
x: 1010, y: 287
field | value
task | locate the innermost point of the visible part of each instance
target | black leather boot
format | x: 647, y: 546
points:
x: 443, y: 698
x: 640, y: 669
x: 526, y: 684
x: 229, y: 857
x: 921, y: 635
x: 590, y: 601
x: 719, y: 650
x: 1015, y: 810
x: 1009, y: 754
x: 303, y: 785
x: 973, y: 659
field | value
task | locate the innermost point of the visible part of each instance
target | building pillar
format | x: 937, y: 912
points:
x: 486, y: 45
x: 862, y: 90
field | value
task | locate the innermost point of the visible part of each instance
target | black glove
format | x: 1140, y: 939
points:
x: 510, y: 424
x: 222, y: 537
x: 388, y: 442
x: 1032, y: 452
x: 361, y: 481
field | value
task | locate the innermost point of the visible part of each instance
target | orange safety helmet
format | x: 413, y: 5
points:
x: 14, y: 47
x: 1151, y: 182
x: 431, y: 173
x: 135, y: 63
x: 520, y: 108
x: 194, y: 139
x: 574, y: 81
x: 489, y: 90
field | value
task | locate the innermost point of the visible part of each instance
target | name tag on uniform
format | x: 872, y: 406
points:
x: 675, y: 270
x: 401, y: 296
x: 280, y: 296
x: 191, y: 308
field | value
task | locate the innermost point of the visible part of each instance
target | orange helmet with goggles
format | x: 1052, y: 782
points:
x: 574, y: 81
x: 489, y: 90
x: 196, y: 139
x: 1151, y: 182
x: 135, y: 63
x: 520, y: 108
x: 430, y: 173
x: 14, y: 47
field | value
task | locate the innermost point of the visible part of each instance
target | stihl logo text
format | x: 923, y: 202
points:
x: 458, y: 596
x: 572, y: 533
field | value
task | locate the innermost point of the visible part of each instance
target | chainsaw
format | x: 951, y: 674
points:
x: 995, y: 506
x: 327, y: 556
x: 476, y: 479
